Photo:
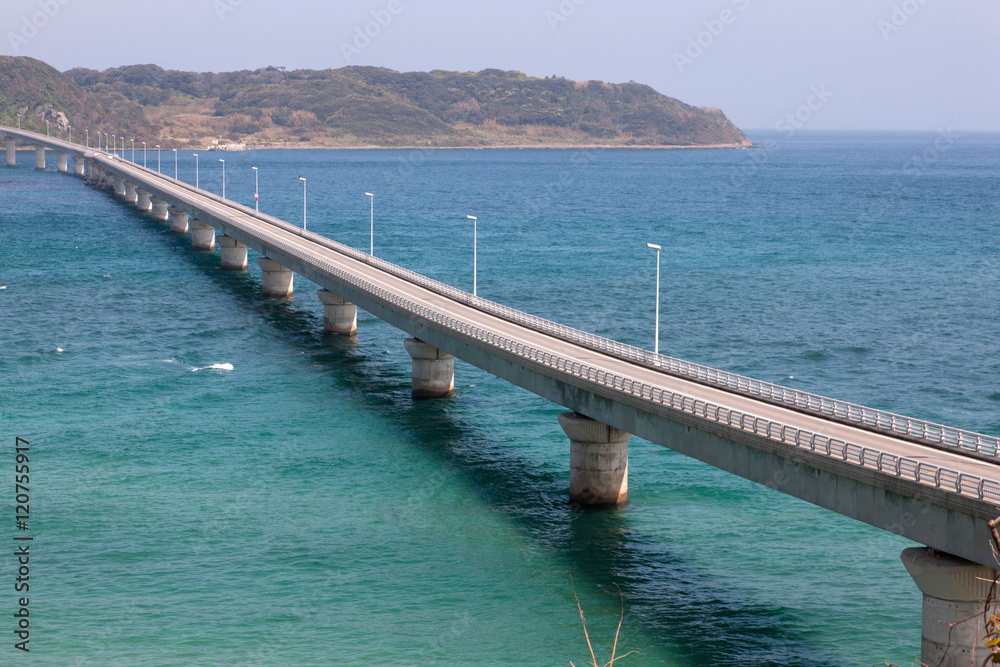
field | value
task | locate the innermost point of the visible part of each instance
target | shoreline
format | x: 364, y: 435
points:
x: 557, y: 147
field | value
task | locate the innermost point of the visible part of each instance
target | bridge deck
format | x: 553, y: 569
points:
x: 963, y: 483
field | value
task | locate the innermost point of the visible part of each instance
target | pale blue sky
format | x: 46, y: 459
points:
x: 876, y: 64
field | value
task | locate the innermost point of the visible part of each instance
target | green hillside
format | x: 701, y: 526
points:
x: 354, y: 106
x: 39, y: 92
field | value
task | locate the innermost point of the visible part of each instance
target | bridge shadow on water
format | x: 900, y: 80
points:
x: 700, y: 621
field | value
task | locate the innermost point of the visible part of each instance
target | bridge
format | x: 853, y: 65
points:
x: 936, y: 485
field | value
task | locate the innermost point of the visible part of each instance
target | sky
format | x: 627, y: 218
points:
x: 915, y: 65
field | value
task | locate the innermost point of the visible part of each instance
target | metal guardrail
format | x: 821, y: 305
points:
x: 926, y: 474
x: 860, y: 415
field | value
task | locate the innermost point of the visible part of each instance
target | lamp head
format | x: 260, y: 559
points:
x: 472, y: 217
x: 653, y: 246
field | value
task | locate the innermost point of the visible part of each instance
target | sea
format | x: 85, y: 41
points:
x: 214, y: 482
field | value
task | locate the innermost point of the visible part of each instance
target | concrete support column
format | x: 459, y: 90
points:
x: 598, y: 461
x: 62, y: 162
x: 119, y: 185
x: 111, y: 183
x: 202, y: 235
x: 339, y: 316
x: 178, y: 221
x: 160, y: 211
x: 955, y: 591
x: 11, y: 153
x: 131, y: 193
x: 143, y: 203
x: 234, y: 254
x: 433, y: 370
x: 78, y: 165
x: 277, y: 279
x: 39, y: 157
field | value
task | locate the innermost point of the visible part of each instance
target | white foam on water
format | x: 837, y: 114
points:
x: 215, y: 367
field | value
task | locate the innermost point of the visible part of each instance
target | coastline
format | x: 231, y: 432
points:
x: 511, y: 147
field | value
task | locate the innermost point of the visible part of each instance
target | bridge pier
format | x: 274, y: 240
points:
x: 143, y: 203
x: 131, y: 193
x: 202, y: 235
x: 62, y: 162
x: 40, y: 157
x: 119, y: 185
x: 160, y: 211
x: 11, y: 153
x: 598, y: 461
x: 339, y: 316
x: 234, y: 254
x: 109, y: 182
x: 178, y: 221
x: 78, y: 165
x: 433, y: 370
x: 278, y: 280
x: 955, y: 592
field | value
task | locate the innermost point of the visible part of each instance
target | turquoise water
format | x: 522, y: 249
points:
x: 301, y: 509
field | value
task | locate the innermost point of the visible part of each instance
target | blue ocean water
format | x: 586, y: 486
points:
x: 301, y: 509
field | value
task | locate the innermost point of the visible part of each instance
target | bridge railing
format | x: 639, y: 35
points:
x: 871, y: 418
x: 926, y: 474
x: 910, y: 427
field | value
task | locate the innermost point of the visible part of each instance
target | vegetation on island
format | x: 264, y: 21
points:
x: 357, y: 106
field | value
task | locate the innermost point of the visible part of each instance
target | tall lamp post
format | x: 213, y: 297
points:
x: 656, y: 342
x: 114, y: 141
x: 372, y: 251
x: 133, y: 151
x: 88, y: 138
x: 98, y: 140
x: 303, y: 202
x: 195, y: 169
x: 475, y: 250
x: 70, y: 134
x: 46, y: 128
x: 157, y: 158
x: 144, y: 155
x: 256, y: 188
x: 175, y: 164
x: 223, y: 177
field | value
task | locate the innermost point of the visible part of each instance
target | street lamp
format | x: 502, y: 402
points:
x: 98, y: 140
x: 88, y: 138
x: 115, y: 142
x: 372, y: 251
x: 70, y: 134
x: 133, y: 151
x: 157, y: 158
x: 303, y: 202
x: 195, y: 169
x: 223, y: 177
x: 256, y: 189
x: 46, y: 128
x: 475, y: 251
x: 656, y: 343
x: 19, y: 121
x: 144, y: 155
x: 175, y: 164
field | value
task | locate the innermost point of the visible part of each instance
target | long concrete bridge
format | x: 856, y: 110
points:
x: 936, y: 485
